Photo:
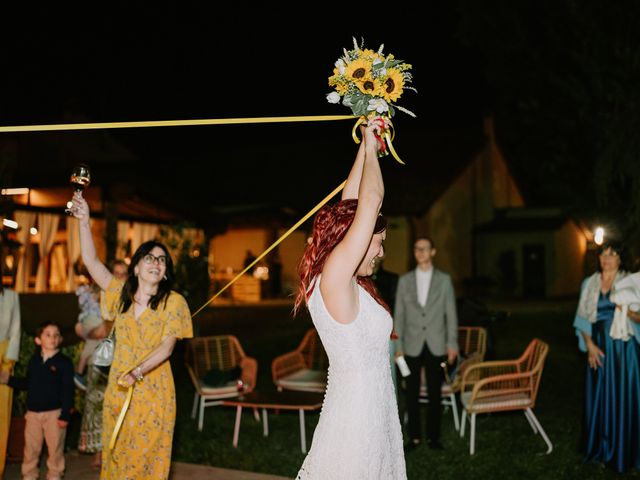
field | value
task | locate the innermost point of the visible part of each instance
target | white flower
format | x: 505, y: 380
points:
x: 378, y: 104
x: 381, y: 72
x: 333, y: 97
x: 340, y: 66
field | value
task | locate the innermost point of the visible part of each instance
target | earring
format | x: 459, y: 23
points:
x: 165, y: 277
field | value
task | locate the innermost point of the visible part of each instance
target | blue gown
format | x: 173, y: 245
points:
x: 613, y: 397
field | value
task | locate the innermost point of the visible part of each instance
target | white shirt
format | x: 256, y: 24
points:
x: 423, y: 279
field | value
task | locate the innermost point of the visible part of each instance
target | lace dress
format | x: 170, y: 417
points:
x: 358, y: 435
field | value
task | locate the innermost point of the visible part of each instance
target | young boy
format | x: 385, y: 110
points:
x: 49, y: 385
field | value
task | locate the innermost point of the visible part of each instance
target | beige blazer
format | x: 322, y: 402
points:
x: 435, y: 324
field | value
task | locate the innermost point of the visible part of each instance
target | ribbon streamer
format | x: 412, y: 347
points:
x: 274, y: 244
x: 170, y: 123
x: 120, y: 421
x: 387, y: 137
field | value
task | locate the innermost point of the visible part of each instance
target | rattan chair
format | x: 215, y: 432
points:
x: 304, y: 369
x: 224, y: 353
x: 472, y: 342
x: 500, y: 386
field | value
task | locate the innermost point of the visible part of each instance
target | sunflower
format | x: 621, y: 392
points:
x: 370, y: 54
x: 392, y: 86
x: 342, y: 88
x: 357, y: 70
x: 370, y: 86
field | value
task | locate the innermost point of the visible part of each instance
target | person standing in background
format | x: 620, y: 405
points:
x: 426, y: 322
x: 9, y: 351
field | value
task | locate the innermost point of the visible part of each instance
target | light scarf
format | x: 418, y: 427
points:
x: 621, y: 328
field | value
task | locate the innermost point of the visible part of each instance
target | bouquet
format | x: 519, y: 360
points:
x: 369, y: 82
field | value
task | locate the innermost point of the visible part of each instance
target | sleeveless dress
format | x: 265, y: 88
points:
x: 612, y: 410
x: 358, y: 435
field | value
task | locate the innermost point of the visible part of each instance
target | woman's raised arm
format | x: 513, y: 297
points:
x: 337, y: 287
x: 100, y: 274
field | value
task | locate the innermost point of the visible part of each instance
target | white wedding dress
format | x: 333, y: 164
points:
x: 358, y: 435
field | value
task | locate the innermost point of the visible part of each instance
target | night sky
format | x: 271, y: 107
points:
x: 187, y: 62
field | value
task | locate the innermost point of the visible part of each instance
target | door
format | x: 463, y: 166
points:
x: 533, y: 271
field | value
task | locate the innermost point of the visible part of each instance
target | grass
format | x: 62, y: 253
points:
x: 506, y: 448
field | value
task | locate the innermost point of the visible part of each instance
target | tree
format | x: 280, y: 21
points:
x: 564, y: 76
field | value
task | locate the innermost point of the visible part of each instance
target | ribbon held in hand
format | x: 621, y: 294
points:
x: 385, y: 141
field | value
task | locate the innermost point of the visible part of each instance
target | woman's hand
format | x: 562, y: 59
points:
x: 594, y: 355
x: 126, y: 380
x: 375, y: 126
x: 80, y: 208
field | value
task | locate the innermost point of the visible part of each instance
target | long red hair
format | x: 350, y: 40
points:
x: 329, y: 228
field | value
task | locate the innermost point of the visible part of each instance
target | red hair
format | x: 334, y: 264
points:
x: 329, y: 228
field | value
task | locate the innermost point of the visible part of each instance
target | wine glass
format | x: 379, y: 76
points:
x: 80, y: 179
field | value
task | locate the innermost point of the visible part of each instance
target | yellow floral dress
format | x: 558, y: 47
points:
x: 143, y: 449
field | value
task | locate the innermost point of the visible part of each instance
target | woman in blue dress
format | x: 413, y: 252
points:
x: 612, y: 387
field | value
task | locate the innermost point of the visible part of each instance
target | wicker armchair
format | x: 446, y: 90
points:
x: 222, y: 353
x: 473, y: 345
x: 304, y: 369
x: 508, y: 385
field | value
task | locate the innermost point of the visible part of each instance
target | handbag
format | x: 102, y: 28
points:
x: 103, y: 354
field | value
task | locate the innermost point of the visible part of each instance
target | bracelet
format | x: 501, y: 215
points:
x: 137, y: 373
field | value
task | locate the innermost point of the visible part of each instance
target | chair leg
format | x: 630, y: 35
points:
x: 472, y: 442
x: 265, y: 421
x: 194, y: 410
x: 201, y: 415
x: 533, y: 425
x: 236, y: 427
x: 256, y: 415
x: 454, y: 410
x: 541, y: 430
x: 464, y: 422
x: 303, y: 435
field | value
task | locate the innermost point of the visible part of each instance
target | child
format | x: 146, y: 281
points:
x: 49, y: 385
x: 89, y: 318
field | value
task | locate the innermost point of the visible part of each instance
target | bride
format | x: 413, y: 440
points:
x: 358, y: 435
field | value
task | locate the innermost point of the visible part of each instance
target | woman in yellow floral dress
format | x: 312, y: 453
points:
x: 149, y: 318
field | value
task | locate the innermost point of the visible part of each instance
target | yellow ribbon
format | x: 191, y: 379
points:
x: 171, y: 123
x: 123, y: 413
x: 388, y: 138
x: 274, y: 244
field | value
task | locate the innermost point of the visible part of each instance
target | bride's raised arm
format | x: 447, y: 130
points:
x: 338, y: 275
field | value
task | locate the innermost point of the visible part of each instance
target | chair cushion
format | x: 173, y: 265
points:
x: 228, y: 390
x: 305, y: 379
x: 497, y: 402
x: 215, y: 378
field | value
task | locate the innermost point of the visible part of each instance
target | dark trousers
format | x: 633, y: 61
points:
x: 435, y: 377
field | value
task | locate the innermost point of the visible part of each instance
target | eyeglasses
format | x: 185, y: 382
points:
x: 609, y: 253
x: 151, y: 259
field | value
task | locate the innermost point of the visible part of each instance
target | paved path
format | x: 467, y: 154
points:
x: 79, y: 468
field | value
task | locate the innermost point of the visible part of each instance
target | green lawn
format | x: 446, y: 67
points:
x: 506, y: 448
